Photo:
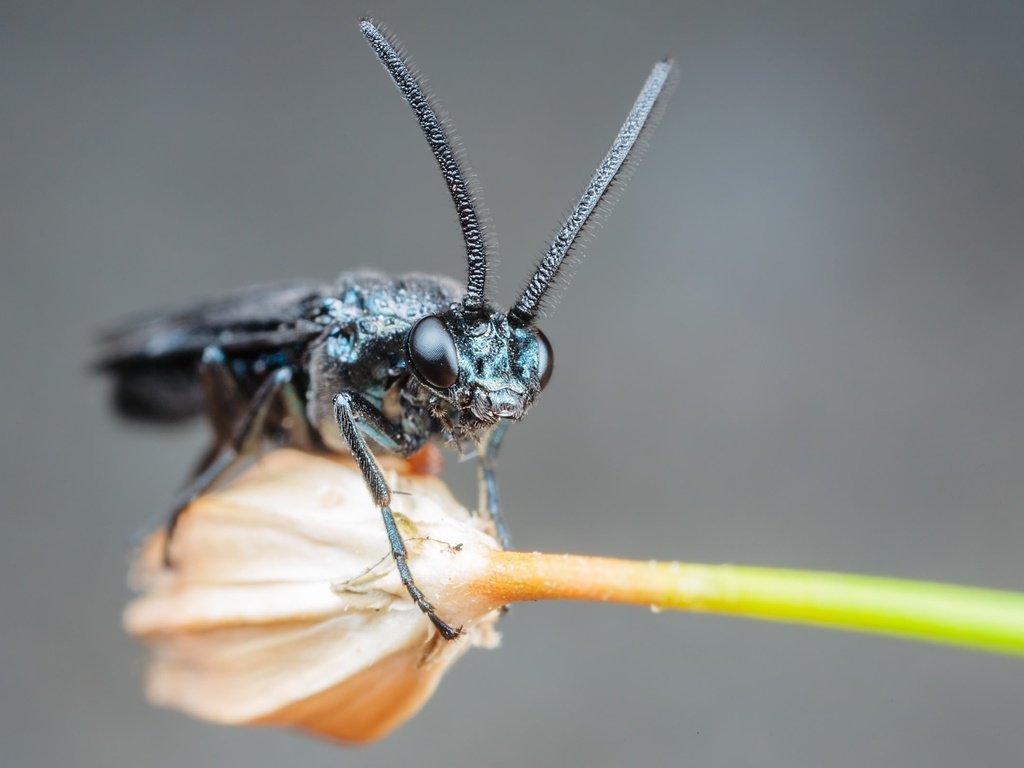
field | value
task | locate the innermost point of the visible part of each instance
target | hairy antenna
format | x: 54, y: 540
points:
x: 390, y: 53
x: 643, y: 116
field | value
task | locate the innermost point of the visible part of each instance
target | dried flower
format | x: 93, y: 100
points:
x: 284, y: 606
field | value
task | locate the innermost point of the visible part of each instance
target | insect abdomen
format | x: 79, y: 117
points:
x: 162, y: 393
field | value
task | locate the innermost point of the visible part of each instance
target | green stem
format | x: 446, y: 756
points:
x: 982, y: 619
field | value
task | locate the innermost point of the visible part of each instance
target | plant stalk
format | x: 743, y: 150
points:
x: 981, y: 619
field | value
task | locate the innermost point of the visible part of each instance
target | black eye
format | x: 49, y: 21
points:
x: 545, y: 359
x: 433, y: 353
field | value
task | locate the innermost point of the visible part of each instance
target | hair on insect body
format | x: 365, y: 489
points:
x: 370, y: 363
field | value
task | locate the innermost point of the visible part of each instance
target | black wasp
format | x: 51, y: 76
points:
x: 370, y: 360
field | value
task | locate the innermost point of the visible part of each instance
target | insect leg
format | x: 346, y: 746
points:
x: 344, y: 406
x: 220, y: 394
x: 385, y: 433
x: 246, y: 438
x: 488, y: 481
x: 222, y: 400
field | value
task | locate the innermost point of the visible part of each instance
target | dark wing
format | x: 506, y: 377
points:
x: 253, y: 320
x: 154, y: 359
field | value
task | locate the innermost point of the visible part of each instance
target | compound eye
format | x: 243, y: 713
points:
x: 545, y: 359
x: 433, y: 353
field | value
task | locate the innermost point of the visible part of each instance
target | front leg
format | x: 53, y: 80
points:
x: 487, y: 450
x: 344, y: 405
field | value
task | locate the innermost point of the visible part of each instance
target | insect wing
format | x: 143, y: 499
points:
x: 258, y: 318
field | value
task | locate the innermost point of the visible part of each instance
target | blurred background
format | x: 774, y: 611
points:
x: 796, y: 342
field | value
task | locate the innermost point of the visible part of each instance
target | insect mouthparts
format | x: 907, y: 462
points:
x: 504, y: 403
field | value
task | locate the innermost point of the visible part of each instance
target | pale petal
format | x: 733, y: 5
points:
x: 284, y: 606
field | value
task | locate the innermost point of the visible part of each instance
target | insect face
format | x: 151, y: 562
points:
x: 479, y: 366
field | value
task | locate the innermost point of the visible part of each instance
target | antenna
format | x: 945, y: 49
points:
x: 434, y: 128
x: 624, y: 151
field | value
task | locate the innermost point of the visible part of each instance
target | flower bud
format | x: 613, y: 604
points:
x: 283, y: 605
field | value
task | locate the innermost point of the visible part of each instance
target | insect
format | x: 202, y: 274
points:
x: 369, y: 363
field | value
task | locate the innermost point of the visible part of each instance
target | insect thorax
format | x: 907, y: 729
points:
x: 366, y: 322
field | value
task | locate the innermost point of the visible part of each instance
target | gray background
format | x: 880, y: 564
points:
x: 797, y: 342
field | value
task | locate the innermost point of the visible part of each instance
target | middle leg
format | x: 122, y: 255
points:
x: 248, y: 434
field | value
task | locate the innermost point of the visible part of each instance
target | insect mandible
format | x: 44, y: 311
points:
x: 372, y: 360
